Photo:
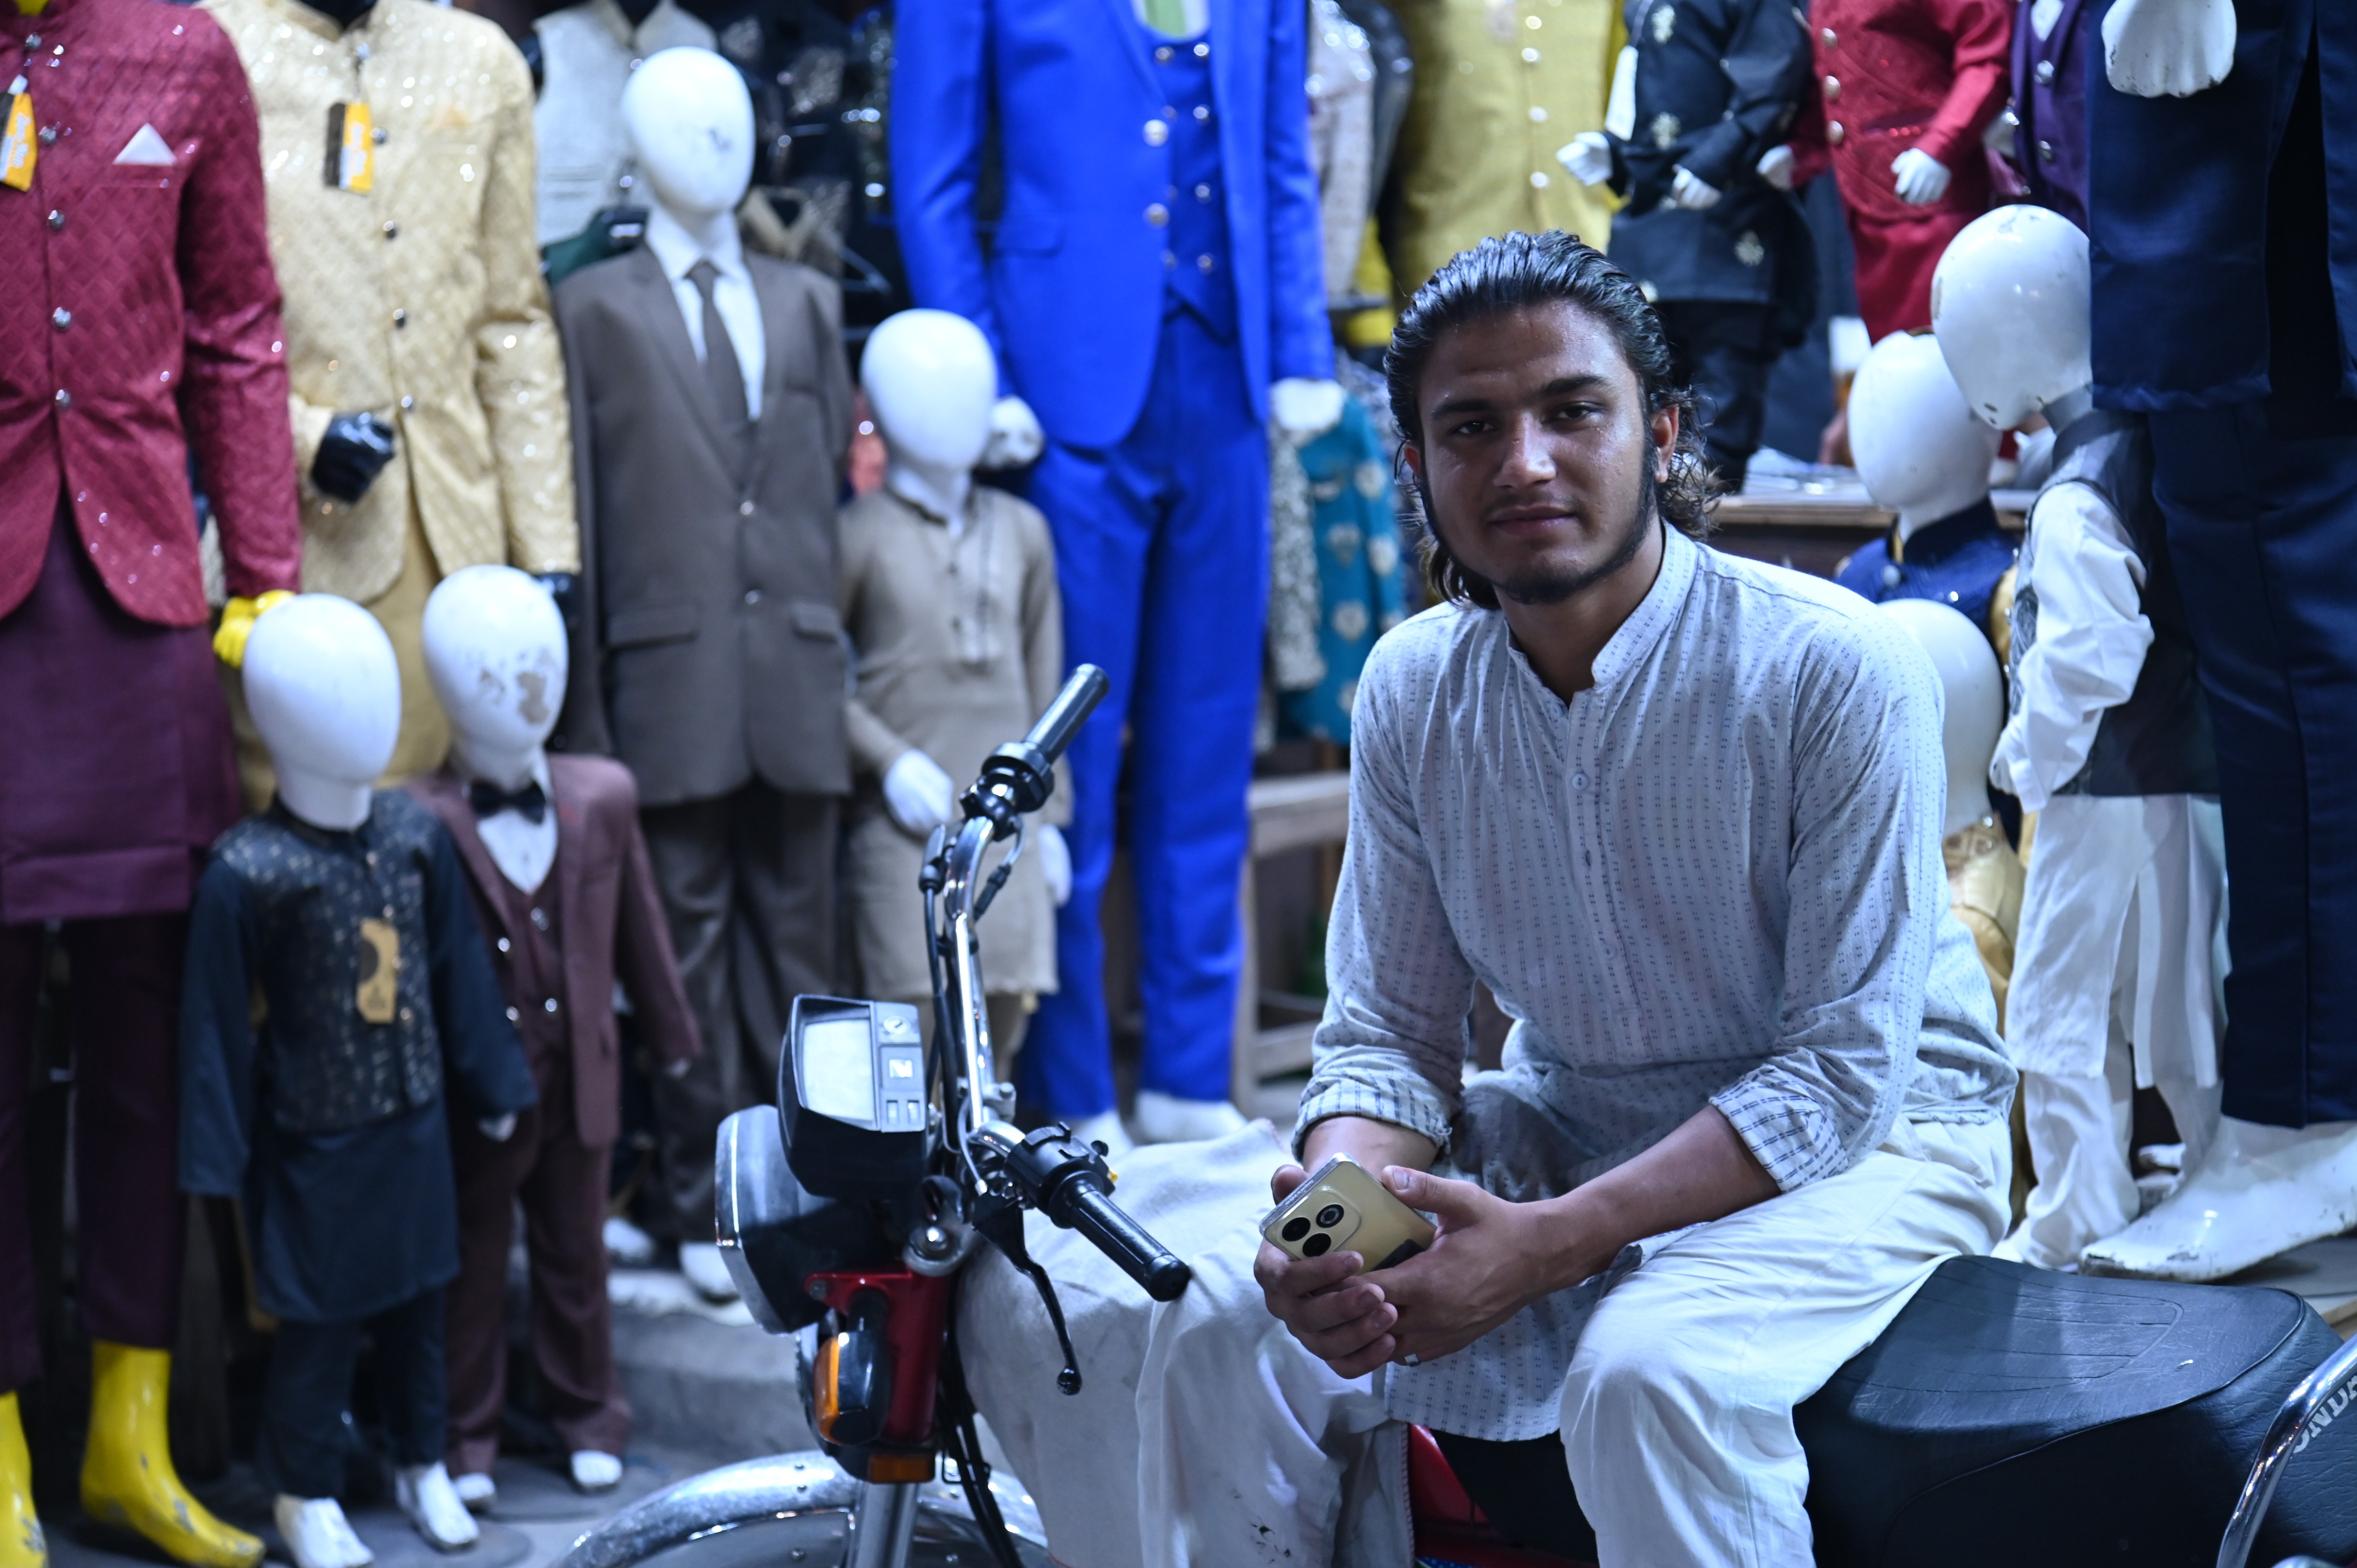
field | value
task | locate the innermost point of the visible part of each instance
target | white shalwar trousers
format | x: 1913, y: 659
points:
x: 1205, y: 1437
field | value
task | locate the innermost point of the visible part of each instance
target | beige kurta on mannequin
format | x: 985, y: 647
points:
x: 961, y: 644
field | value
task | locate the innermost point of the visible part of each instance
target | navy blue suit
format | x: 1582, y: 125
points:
x: 2223, y: 231
x: 1154, y: 267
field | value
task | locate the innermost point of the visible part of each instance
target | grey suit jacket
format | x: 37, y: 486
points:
x: 707, y: 650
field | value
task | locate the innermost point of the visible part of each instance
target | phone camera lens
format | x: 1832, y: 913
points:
x: 1315, y: 1246
x: 1294, y: 1229
x: 1329, y: 1217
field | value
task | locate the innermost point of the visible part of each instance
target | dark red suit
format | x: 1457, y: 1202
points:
x: 1895, y: 74
x: 139, y: 319
x: 558, y: 951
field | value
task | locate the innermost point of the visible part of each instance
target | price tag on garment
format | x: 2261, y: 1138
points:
x: 379, y: 955
x: 16, y: 149
x: 351, y: 148
x: 31, y: 7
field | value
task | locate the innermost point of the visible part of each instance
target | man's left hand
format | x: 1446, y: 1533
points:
x: 1491, y: 1259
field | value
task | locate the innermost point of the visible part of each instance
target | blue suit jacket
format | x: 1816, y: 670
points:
x: 1071, y: 291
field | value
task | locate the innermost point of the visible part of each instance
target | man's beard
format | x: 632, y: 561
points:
x: 1544, y: 586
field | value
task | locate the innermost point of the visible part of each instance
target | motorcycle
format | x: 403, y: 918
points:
x: 2008, y: 1415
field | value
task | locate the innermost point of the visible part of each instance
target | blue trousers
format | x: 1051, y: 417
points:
x: 1162, y: 551
x: 2262, y: 528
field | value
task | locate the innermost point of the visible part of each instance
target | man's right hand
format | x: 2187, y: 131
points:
x: 1341, y: 1318
x: 351, y: 453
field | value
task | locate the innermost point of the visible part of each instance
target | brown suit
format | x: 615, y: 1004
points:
x: 558, y: 951
x: 709, y: 656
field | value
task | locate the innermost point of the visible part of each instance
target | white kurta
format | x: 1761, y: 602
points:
x: 587, y: 52
x: 2126, y: 893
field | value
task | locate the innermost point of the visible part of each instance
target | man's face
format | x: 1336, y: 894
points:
x: 1537, y: 449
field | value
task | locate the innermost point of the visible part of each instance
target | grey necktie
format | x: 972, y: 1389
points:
x: 720, y: 366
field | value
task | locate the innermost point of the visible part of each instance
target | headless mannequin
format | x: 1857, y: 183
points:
x: 691, y: 124
x: 325, y: 693
x: 2125, y: 899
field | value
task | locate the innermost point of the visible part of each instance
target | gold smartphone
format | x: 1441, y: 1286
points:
x: 1343, y: 1207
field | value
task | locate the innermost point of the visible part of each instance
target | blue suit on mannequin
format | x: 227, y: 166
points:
x: 1155, y: 268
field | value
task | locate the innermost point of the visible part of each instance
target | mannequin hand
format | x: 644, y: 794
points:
x: 1016, y: 438
x: 1055, y: 862
x: 353, y: 452
x: 1587, y: 158
x: 1921, y: 177
x: 1691, y: 193
x: 560, y: 585
x: 498, y: 1129
x: 918, y: 793
x: 1304, y: 408
x: 1775, y: 166
x: 2155, y: 49
x: 237, y: 624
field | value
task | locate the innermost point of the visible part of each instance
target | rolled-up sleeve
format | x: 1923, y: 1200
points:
x: 1391, y: 1044
x: 1867, y: 893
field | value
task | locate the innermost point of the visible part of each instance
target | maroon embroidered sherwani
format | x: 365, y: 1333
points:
x: 1895, y: 74
x: 138, y: 324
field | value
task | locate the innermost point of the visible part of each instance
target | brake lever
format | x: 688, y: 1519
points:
x: 1000, y: 1221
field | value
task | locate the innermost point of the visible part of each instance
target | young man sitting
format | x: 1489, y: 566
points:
x: 1681, y: 813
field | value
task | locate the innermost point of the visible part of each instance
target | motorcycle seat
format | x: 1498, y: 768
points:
x: 2010, y: 1414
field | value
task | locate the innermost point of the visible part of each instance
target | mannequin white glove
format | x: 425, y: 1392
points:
x: 1775, y: 166
x: 1691, y: 193
x: 1921, y: 178
x: 498, y: 1129
x: 1304, y: 408
x: 2155, y: 49
x: 1587, y: 158
x: 1015, y: 437
x: 918, y: 793
x: 1055, y: 862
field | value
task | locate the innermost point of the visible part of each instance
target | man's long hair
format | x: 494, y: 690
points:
x: 1518, y: 271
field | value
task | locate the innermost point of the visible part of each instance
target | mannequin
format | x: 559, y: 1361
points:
x: 1984, y: 876
x: 1161, y: 257
x: 441, y: 443
x: 1907, y: 87
x: 1921, y: 453
x: 587, y: 52
x: 707, y: 653
x: 949, y: 594
x: 2221, y: 138
x: 2050, y: 40
x: 1718, y: 246
x: 2114, y: 983
x: 326, y: 1118
x: 567, y: 901
x: 1498, y: 86
x: 116, y: 770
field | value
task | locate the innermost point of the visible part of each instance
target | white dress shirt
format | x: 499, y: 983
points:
x: 1713, y: 878
x: 732, y: 294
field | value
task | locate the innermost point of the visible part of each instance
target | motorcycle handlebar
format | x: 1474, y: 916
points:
x: 1064, y: 716
x: 1093, y: 1213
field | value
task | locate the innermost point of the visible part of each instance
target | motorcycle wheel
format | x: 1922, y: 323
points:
x: 789, y: 1509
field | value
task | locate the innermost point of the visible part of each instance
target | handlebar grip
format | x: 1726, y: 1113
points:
x: 1097, y: 1216
x: 1073, y: 705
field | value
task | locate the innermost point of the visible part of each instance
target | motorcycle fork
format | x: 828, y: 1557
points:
x: 883, y: 1525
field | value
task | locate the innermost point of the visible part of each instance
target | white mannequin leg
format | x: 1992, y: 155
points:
x: 2258, y: 1191
x: 317, y: 1535
x: 2079, y: 1147
x: 426, y: 1495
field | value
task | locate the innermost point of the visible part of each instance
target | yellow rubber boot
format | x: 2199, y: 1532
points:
x: 20, y: 1528
x: 127, y: 1477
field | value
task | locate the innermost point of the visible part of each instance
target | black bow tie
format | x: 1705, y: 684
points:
x: 488, y: 799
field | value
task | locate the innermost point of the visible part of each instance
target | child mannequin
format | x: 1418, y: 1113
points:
x: 567, y: 901
x: 2116, y: 984
x: 335, y: 985
x: 948, y: 591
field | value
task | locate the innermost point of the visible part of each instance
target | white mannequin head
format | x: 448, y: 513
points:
x: 1975, y: 710
x: 325, y: 692
x: 930, y: 380
x: 2010, y: 305
x: 495, y: 651
x: 1918, y: 449
x: 689, y: 121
